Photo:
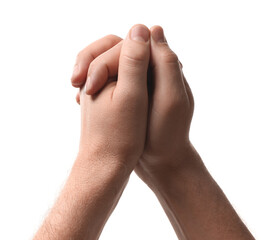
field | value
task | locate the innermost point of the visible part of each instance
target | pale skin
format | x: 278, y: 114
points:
x: 131, y: 125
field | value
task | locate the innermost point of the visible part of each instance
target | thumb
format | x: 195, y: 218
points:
x: 134, y: 61
x: 165, y: 64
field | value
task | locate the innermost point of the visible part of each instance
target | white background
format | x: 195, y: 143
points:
x: 231, y: 56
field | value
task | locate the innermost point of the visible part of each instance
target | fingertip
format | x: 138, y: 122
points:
x: 155, y: 27
x: 78, y: 97
x: 77, y: 81
x: 93, y: 87
x: 114, y: 38
x: 157, y: 34
x: 75, y: 74
x: 139, y: 25
x: 88, y: 88
x: 76, y: 84
x: 140, y: 33
x: 89, y: 91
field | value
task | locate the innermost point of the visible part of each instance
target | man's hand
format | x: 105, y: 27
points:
x: 171, y: 107
x: 114, y: 120
x: 113, y: 133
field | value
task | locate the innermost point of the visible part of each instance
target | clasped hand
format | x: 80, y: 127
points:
x: 140, y: 118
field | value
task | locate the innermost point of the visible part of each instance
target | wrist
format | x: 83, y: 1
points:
x: 90, y: 169
x: 103, y: 157
x: 164, y: 173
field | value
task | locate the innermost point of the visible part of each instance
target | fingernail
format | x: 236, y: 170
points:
x: 158, y: 35
x: 140, y: 33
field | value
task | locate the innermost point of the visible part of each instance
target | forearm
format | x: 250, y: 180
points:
x: 86, y: 201
x: 194, y: 203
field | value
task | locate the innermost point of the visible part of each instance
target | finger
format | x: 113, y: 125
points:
x: 165, y: 64
x: 78, y: 97
x: 189, y: 92
x: 103, y: 67
x: 180, y: 64
x: 85, y: 57
x: 187, y: 88
x: 134, y: 61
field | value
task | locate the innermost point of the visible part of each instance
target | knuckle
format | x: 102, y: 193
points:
x: 132, y: 60
x: 177, y: 103
x: 168, y: 56
x: 126, y: 96
x: 130, y: 101
x: 181, y: 64
x: 135, y: 54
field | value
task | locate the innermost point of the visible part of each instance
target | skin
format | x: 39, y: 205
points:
x: 170, y: 165
x: 113, y: 132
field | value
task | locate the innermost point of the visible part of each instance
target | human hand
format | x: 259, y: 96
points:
x: 171, y: 104
x: 171, y: 108
x: 114, y: 120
